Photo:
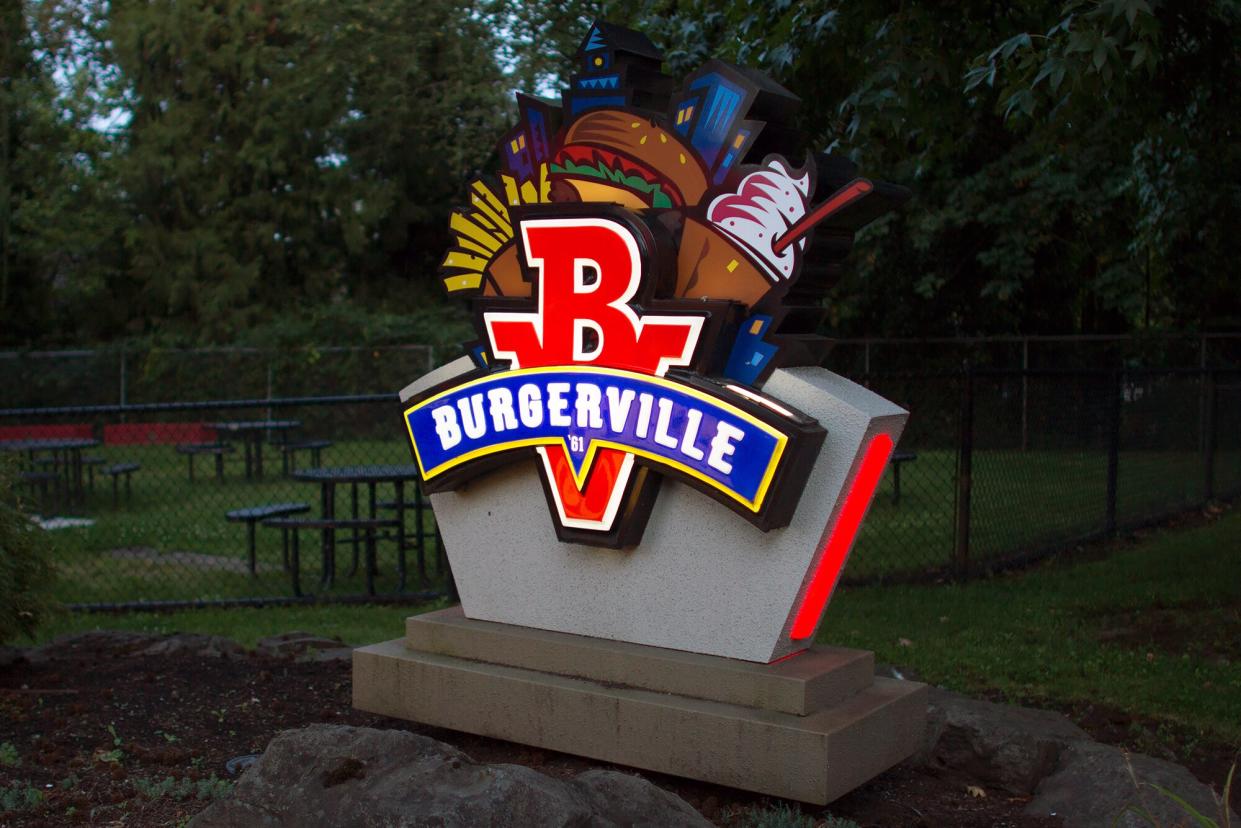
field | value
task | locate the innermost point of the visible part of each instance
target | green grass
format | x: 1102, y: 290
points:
x: 168, y: 515
x: 1021, y: 501
x: 1085, y: 631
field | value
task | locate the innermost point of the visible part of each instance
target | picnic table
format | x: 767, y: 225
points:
x: 66, y: 455
x: 329, y: 477
x: 252, y: 433
x: 899, y: 459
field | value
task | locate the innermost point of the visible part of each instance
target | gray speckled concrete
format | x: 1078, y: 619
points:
x: 814, y: 758
x: 703, y: 579
x: 813, y: 679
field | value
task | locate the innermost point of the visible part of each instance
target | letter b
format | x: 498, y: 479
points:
x: 446, y: 426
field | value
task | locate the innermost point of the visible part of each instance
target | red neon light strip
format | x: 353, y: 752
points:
x: 841, y: 539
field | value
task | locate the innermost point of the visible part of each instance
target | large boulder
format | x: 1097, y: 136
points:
x: 1037, y: 753
x: 195, y: 644
x: 349, y: 776
x: 10, y: 656
x: 304, y: 646
x: 1100, y: 785
x: 1008, y: 748
x: 92, y: 642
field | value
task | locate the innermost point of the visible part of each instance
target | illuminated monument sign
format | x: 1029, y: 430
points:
x: 603, y: 382
x: 644, y: 483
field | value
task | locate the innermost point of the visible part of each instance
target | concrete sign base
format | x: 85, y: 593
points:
x: 810, y: 727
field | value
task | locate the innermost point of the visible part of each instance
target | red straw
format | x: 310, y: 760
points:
x: 839, y: 200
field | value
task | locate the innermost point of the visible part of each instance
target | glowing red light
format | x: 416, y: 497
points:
x: 841, y: 538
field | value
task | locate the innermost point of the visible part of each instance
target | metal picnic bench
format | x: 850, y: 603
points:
x: 315, y: 447
x: 368, y: 526
x: 191, y: 450
x: 899, y: 459
x: 253, y: 514
x: 371, y: 475
x: 47, y: 483
x: 117, y: 471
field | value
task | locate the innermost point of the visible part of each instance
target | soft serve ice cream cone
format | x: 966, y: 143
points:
x: 734, y: 254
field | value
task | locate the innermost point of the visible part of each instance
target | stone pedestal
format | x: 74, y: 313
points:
x: 810, y: 727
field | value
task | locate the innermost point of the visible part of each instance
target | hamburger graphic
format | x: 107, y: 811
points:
x: 614, y: 156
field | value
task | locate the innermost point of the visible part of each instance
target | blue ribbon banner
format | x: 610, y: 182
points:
x: 583, y: 409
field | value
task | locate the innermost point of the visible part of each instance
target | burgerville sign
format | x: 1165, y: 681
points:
x: 646, y: 272
x: 646, y: 484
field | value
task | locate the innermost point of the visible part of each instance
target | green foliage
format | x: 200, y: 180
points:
x: 261, y: 162
x: 215, y: 172
x: 784, y: 815
x: 19, y: 796
x: 1074, y: 164
x: 26, y: 573
x: 59, y: 228
x: 182, y: 789
x: 9, y: 757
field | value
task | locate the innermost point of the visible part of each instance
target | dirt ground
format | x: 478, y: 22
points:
x: 101, y: 735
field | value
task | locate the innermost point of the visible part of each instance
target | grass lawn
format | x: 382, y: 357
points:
x: 1021, y: 500
x: 1150, y: 626
x: 171, y: 541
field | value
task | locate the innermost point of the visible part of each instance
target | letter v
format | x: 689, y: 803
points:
x: 619, y: 404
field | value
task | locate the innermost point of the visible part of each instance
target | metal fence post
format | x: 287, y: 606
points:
x: 270, y: 379
x: 1114, y: 391
x: 1202, y: 392
x: 1209, y: 435
x: 124, y: 388
x: 965, y: 465
x: 1025, y: 393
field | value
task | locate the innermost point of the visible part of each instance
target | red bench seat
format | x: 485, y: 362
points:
x: 129, y: 434
x: 47, y: 432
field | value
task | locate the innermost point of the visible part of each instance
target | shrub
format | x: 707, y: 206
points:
x: 25, y: 562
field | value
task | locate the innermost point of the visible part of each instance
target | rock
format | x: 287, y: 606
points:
x: 125, y: 642
x: 1004, y: 747
x: 1093, y: 786
x: 297, y: 645
x: 195, y: 644
x: 625, y: 799
x: 1035, y: 752
x: 334, y: 654
x: 348, y: 776
x: 10, y: 656
x: 893, y: 672
x: 119, y: 642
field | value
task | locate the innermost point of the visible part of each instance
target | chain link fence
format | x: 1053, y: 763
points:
x: 1001, y: 467
x: 227, y: 501
x: 120, y: 376
x: 213, y: 498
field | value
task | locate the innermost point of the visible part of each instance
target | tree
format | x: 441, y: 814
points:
x: 297, y: 154
x: 60, y: 245
x: 1074, y: 164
